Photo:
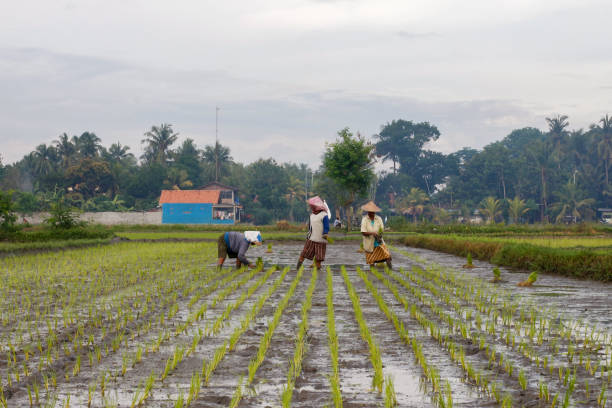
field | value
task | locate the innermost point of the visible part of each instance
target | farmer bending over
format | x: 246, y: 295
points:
x: 235, y: 244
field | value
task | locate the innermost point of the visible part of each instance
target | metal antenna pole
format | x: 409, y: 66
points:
x: 216, y: 143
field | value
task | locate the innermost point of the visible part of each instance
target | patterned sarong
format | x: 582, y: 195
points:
x: 314, y: 250
x: 380, y: 254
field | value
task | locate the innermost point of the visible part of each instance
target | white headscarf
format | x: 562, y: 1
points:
x: 252, y: 236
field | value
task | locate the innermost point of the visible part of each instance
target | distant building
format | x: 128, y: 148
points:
x: 214, y: 203
x: 605, y: 215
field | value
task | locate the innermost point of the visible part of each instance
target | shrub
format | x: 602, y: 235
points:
x: 7, y: 212
x: 283, y: 225
x: 62, y: 215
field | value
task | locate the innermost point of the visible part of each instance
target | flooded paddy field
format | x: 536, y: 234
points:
x: 154, y: 324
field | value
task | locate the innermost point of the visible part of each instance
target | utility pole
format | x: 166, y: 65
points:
x: 216, y: 143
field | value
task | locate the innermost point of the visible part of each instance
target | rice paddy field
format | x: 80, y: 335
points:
x: 154, y: 324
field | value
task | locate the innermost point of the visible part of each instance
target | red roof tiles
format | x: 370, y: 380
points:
x: 189, y: 196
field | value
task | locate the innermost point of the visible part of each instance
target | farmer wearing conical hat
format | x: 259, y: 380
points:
x: 318, y: 228
x: 234, y: 244
x: 372, y: 230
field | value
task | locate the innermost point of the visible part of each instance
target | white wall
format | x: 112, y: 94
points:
x: 105, y: 218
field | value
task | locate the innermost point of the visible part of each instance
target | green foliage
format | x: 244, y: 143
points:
x: 7, y: 211
x: 61, y: 215
x: 579, y: 263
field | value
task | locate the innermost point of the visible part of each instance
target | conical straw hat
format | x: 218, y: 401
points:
x: 370, y: 207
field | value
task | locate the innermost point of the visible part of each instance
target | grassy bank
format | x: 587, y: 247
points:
x: 584, y: 263
x: 508, y: 230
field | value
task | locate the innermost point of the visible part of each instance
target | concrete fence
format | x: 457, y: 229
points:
x: 105, y: 218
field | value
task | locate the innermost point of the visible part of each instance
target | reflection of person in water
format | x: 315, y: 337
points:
x: 318, y: 228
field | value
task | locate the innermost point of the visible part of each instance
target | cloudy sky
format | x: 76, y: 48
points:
x: 288, y: 74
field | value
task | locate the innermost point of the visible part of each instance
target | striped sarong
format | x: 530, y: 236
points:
x: 380, y: 254
x: 314, y: 250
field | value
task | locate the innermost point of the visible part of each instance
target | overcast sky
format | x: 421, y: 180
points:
x: 287, y: 75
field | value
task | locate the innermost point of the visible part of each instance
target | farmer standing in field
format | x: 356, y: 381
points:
x: 318, y: 228
x: 372, y: 229
x: 235, y: 245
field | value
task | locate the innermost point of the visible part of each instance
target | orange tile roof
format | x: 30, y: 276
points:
x: 189, y: 196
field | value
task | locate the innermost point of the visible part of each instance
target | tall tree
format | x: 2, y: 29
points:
x: 158, y: 141
x: 402, y: 141
x: 604, y: 145
x: 66, y: 150
x: 348, y: 162
x: 557, y: 129
x: 217, y: 156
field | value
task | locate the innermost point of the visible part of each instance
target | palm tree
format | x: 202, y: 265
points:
x: 88, y: 144
x: 66, y: 150
x: 556, y: 129
x: 571, y: 202
x: 217, y: 156
x: 159, y: 139
x: 413, y: 203
x: 541, y: 157
x: 604, y: 147
x: 490, y: 208
x: 294, y: 192
x: 516, y: 209
x: 119, y: 153
x: 44, y: 159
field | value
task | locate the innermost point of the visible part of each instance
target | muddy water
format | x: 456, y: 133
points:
x: 589, y: 301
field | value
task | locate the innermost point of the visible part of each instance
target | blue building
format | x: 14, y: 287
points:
x: 215, y: 203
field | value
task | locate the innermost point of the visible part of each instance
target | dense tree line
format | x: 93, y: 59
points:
x: 557, y: 175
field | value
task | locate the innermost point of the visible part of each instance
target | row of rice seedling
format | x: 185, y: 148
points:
x: 264, y: 343
x: 378, y: 380
x: 124, y: 316
x: 528, y: 336
x: 479, y: 339
x: 86, y: 334
x: 334, y: 377
x: 491, y: 300
x: 295, y: 365
x: 182, y: 351
x: 534, y: 326
x: 442, y: 397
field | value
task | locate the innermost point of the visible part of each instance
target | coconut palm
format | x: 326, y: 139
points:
x: 217, y: 156
x: 604, y: 146
x: 119, y: 153
x: 43, y: 159
x: 490, y: 208
x: 295, y: 191
x: 541, y: 157
x: 556, y: 129
x: 413, y: 203
x: 66, y: 150
x: 571, y: 202
x: 88, y: 144
x: 158, y: 140
x: 516, y: 209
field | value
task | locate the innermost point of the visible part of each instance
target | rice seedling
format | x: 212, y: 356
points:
x: 469, y: 264
x: 267, y: 337
x: 334, y: 378
x: 533, y: 276
x: 295, y: 365
x: 378, y: 378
